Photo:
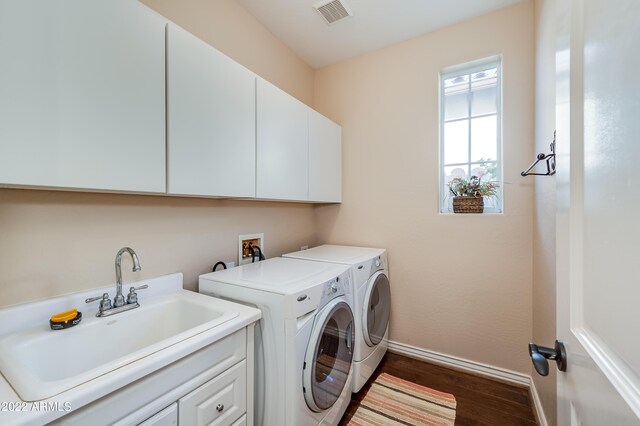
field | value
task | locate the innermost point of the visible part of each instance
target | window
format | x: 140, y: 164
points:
x: 470, y: 128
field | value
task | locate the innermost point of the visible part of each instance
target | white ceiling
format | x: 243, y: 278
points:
x: 375, y: 24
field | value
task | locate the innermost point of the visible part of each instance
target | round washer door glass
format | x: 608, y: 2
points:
x: 377, y: 308
x: 329, y: 356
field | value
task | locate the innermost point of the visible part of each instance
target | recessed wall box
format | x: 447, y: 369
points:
x: 245, y: 242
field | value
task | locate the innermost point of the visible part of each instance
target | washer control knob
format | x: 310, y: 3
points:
x: 334, y: 288
x: 377, y: 263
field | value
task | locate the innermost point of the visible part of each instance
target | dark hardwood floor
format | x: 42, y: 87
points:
x: 480, y: 401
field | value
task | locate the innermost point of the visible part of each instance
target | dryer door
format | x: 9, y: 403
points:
x: 329, y: 355
x: 377, y: 308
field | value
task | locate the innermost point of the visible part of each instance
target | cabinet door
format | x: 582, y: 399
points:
x: 82, y: 102
x: 211, y: 113
x: 241, y: 422
x: 282, y: 145
x: 325, y: 159
x: 219, y: 402
x: 166, y: 417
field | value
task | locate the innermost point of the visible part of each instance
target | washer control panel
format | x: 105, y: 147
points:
x: 338, y: 286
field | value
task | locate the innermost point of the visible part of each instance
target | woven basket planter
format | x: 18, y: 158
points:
x: 465, y: 204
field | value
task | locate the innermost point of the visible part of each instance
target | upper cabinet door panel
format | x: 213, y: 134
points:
x: 325, y: 159
x: 211, y: 115
x: 282, y: 145
x: 82, y: 102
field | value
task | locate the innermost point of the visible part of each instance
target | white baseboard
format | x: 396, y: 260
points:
x: 485, y: 370
x: 537, y: 405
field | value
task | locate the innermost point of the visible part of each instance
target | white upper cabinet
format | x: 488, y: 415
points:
x: 325, y: 159
x: 211, y: 112
x: 83, y: 107
x: 282, y: 145
x: 82, y: 101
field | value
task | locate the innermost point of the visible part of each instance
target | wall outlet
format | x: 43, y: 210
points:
x: 245, y: 242
x: 304, y: 248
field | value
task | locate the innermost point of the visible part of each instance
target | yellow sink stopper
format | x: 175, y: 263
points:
x: 65, y: 319
x: 65, y: 316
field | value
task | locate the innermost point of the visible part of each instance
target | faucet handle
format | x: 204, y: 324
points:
x: 105, y: 303
x: 92, y: 299
x: 132, y: 297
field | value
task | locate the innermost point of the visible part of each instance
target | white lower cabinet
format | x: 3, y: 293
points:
x: 219, y: 402
x: 166, y: 417
x: 213, y: 386
x: 242, y: 421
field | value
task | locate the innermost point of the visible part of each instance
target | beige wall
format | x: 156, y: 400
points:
x: 228, y: 26
x: 57, y: 242
x: 461, y: 285
x: 544, y: 241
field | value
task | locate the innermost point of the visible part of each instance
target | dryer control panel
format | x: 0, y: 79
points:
x: 379, y: 263
x: 339, y: 286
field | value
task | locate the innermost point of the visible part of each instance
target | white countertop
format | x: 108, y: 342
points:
x: 14, y: 411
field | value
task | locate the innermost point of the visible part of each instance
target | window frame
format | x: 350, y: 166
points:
x: 461, y: 70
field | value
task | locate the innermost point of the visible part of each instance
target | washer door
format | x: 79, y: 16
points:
x: 329, y: 355
x: 377, y: 308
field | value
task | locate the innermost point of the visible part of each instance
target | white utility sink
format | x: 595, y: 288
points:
x: 40, y: 363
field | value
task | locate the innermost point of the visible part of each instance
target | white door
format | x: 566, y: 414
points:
x: 211, y: 104
x: 82, y: 95
x: 598, y: 128
x: 282, y: 145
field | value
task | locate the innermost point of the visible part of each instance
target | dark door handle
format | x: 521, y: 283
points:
x: 540, y: 356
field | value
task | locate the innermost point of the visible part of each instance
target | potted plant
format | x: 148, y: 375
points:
x: 468, y: 194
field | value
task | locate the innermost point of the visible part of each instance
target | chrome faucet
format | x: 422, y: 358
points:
x: 118, y: 300
x: 106, y: 308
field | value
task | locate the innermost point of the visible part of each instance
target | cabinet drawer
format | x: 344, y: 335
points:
x: 219, y: 402
x: 166, y: 417
x: 242, y: 421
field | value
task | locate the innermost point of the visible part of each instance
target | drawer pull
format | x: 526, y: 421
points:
x: 220, y: 407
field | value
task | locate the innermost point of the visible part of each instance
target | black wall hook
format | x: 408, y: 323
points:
x: 549, y: 158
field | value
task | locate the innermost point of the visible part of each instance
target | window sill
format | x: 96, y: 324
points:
x: 490, y: 213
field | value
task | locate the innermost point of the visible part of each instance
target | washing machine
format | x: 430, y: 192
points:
x: 372, y: 301
x: 304, y: 341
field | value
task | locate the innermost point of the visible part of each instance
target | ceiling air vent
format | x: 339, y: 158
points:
x: 333, y: 10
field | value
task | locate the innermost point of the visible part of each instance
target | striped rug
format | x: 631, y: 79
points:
x: 391, y: 401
